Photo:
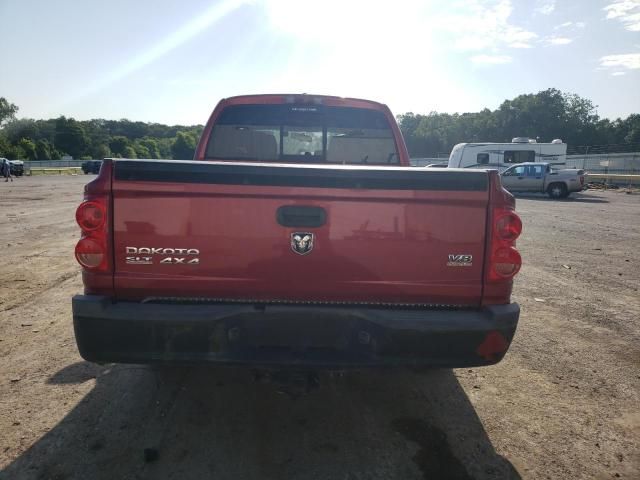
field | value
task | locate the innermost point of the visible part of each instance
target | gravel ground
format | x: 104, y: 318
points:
x: 563, y: 404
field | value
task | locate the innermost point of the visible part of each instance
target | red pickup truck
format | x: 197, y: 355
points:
x: 298, y: 236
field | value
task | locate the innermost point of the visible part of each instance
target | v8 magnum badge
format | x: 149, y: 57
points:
x: 302, y: 242
x: 460, y: 260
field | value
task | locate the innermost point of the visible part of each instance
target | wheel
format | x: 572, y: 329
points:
x: 557, y: 190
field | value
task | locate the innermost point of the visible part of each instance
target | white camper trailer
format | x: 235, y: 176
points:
x: 502, y: 155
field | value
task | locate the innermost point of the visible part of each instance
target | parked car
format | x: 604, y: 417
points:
x: 91, y: 166
x: 541, y: 177
x: 299, y: 237
x: 16, y: 167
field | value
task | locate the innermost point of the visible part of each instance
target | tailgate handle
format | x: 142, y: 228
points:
x: 301, y: 216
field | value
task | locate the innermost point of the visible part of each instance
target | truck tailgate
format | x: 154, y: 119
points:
x: 227, y: 231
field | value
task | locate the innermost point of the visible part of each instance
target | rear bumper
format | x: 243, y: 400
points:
x: 290, y: 336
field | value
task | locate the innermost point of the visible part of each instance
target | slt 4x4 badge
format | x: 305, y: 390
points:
x: 145, y: 256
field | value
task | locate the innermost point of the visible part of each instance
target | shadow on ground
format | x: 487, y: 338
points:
x: 573, y: 198
x: 202, y: 423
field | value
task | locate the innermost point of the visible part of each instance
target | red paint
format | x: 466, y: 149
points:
x: 504, y: 228
x: 388, y: 246
x: 378, y: 246
x: 97, y: 195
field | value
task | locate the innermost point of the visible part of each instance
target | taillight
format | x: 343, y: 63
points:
x: 508, y: 226
x: 504, y: 259
x: 91, y: 253
x: 92, y: 248
x: 90, y: 216
x: 506, y: 262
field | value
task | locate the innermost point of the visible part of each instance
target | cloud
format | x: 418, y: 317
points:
x: 473, y: 25
x: 630, y: 61
x: 625, y: 11
x: 570, y: 24
x: 546, y: 7
x: 491, y: 59
x: 556, y: 40
x: 361, y: 40
x: 476, y: 26
x: 618, y: 74
x: 337, y: 18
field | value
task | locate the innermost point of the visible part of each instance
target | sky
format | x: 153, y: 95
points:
x: 171, y: 61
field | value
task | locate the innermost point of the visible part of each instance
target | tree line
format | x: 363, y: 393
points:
x: 544, y: 116
x: 52, y: 139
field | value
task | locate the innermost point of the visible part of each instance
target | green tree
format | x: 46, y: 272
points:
x: 22, y: 128
x: 119, y: 145
x: 7, y: 110
x: 184, y: 146
x: 56, y: 154
x: 152, y: 147
x: 164, y: 145
x: 544, y: 115
x: 70, y: 137
x: 100, y: 151
x: 5, y: 146
x: 129, y: 152
x: 29, y: 148
x: 16, y: 152
x: 632, y: 127
x: 43, y: 150
x: 141, y: 150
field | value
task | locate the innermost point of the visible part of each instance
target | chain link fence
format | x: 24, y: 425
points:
x: 606, y: 163
x: 28, y: 164
x: 631, y: 147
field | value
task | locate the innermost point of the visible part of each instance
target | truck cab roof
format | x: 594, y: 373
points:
x: 296, y: 98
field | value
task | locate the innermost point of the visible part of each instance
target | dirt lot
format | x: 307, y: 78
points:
x: 565, y: 402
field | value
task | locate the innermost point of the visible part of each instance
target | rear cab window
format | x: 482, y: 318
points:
x: 535, y: 170
x: 302, y: 133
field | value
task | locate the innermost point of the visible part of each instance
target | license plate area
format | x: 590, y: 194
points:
x: 298, y: 332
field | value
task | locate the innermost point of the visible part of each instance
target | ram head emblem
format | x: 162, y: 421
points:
x: 301, y: 242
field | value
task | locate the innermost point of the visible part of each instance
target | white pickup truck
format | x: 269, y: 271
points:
x: 541, y: 177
